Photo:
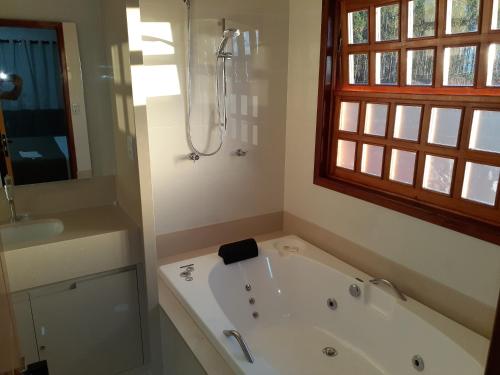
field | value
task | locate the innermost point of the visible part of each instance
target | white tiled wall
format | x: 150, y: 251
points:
x: 224, y: 187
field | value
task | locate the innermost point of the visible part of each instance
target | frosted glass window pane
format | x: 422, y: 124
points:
x: 387, y: 22
x: 459, y: 66
x: 421, y: 18
x: 358, y: 69
x: 420, y: 67
x: 493, y: 72
x: 402, y: 166
x: 349, y: 113
x: 376, y: 119
x: 346, y: 154
x: 462, y: 16
x: 495, y: 19
x: 386, y: 68
x: 480, y: 183
x: 358, y: 26
x: 485, y: 132
x: 372, y: 159
x: 407, y: 123
x: 438, y: 173
x: 444, y: 126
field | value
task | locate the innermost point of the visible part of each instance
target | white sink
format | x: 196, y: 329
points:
x: 32, y: 230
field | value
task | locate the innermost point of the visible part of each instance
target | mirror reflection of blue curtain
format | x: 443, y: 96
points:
x: 37, y: 63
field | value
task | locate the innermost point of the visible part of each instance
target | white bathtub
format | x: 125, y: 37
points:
x: 291, y: 282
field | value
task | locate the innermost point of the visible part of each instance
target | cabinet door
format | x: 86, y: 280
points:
x: 90, y: 326
x: 25, y: 328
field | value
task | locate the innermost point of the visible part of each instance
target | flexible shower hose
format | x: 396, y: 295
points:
x: 222, y: 124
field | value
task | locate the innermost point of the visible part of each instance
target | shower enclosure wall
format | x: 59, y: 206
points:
x: 226, y: 186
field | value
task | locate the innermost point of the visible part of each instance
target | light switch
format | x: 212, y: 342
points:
x: 75, y: 109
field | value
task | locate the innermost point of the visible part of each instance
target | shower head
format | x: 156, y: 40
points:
x: 231, y: 33
x: 226, y: 35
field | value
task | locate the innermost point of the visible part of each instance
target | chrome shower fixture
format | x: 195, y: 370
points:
x: 226, y: 36
x: 221, y: 56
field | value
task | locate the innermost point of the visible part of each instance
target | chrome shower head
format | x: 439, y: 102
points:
x: 226, y: 35
x: 231, y: 33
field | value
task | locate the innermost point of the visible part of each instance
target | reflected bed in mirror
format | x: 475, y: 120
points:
x: 43, y: 125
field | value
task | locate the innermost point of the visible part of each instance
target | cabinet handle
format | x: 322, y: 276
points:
x: 42, y: 347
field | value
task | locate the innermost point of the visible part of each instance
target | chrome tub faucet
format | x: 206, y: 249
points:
x: 391, y: 285
x: 241, y: 341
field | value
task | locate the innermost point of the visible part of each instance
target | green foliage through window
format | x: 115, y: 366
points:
x: 464, y: 16
x: 422, y: 16
x: 358, y: 27
x: 387, y: 19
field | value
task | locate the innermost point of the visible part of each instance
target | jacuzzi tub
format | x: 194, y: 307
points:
x: 290, y: 323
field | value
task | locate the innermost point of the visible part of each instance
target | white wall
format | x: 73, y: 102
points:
x: 87, y: 16
x: 463, y: 263
x: 224, y: 187
x: 116, y: 47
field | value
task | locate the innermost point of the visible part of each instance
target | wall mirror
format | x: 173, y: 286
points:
x: 43, y: 124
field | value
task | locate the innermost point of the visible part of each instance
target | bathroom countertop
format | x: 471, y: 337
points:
x: 80, y: 223
x: 208, y: 356
x: 94, y: 240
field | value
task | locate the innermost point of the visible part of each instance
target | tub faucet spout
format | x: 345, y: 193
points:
x: 396, y: 290
x: 243, y: 344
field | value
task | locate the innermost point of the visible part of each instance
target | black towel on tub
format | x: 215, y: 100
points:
x: 238, y: 251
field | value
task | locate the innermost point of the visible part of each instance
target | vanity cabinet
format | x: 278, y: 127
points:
x: 25, y: 328
x: 89, y: 325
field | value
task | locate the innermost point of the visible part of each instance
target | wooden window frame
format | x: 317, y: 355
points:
x: 334, y: 86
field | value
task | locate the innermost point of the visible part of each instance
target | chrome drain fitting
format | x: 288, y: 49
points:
x: 329, y: 351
